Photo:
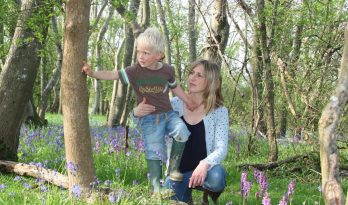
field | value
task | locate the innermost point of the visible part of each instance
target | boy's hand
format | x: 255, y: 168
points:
x: 191, y: 105
x: 86, y: 69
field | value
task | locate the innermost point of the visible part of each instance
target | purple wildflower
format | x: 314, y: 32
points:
x: 76, y: 191
x: 26, y: 185
x: 72, y: 168
x: 18, y: 178
x: 245, y: 185
x: 11, y: 194
x: 119, y: 195
x: 44, y: 188
x: 97, y: 146
x: 107, y: 182
x: 2, y: 187
x: 291, y: 188
x: 266, y: 200
x: 112, y: 197
x: 284, y: 200
x: 262, y: 181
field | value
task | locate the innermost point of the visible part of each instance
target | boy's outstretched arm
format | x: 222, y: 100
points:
x: 101, y: 75
x: 190, y: 104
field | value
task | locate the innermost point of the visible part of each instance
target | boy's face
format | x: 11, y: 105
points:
x: 147, y: 56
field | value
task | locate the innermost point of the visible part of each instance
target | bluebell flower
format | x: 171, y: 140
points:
x: 2, y: 187
x: 76, y: 191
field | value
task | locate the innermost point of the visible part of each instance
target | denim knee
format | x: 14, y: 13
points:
x: 216, y: 179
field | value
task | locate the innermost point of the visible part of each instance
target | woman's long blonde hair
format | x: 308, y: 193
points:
x: 212, y: 97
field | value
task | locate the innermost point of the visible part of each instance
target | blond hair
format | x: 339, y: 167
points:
x: 153, y: 38
x: 212, y: 97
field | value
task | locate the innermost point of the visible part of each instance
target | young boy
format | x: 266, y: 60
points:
x: 151, y: 80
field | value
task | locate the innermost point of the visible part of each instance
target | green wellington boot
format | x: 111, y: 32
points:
x: 155, y: 171
x: 175, y: 159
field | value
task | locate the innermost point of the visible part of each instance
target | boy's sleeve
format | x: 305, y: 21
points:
x: 122, y: 73
x: 172, y: 82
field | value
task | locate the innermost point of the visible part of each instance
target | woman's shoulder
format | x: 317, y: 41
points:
x: 176, y: 101
x: 220, y: 110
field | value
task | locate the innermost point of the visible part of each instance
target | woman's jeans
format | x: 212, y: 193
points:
x: 215, y: 182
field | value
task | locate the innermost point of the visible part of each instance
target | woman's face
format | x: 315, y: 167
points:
x: 197, y: 81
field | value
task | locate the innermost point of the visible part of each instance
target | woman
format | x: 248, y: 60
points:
x: 208, y: 142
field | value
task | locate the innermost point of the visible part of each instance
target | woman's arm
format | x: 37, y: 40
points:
x: 220, y: 137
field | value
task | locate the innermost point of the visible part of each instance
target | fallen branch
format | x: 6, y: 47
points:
x: 272, y: 165
x: 38, y: 172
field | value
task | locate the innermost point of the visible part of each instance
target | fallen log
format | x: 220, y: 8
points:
x: 35, y: 171
x: 272, y: 165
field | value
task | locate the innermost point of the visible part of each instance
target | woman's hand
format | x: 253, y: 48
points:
x: 199, y: 174
x: 143, y: 109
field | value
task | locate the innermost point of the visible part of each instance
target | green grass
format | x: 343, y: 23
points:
x: 126, y: 174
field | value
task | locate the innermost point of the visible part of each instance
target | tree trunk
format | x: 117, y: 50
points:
x: 268, y: 80
x: 122, y: 89
x: 54, y: 107
x: 78, y: 149
x: 192, y: 34
x: 56, y: 72
x: 98, y: 86
x: 18, y: 75
x: 218, y: 33
x: 132, y: 30
x: 112, y: 111
x: 329, y: 121
x: 167, y: 53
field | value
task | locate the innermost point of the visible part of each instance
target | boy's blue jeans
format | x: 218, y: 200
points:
x: 153, y: 129
x: 215, y: 181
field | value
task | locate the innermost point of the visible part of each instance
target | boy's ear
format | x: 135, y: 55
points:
x: 160, y: 56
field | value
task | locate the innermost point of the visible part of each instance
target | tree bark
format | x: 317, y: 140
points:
x: 78, y: 148
x: 112, y: 112
x: 56, y: 72
x: 132, y: 30
x: 218, y: 33
x: 192, y: 33
x: 268, y: 80
x: 167, y: 53
x: 50, y: 176
x: 329, y: 120
x: 18, y: 75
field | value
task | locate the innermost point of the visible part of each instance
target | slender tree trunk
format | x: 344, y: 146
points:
x: 56, y: 72
x: 329, y: 121
x: 18, y: 75
x: 132, y: 30
x: 54, y: 107
x: 122, y: 89
x: 78, y: 149
x: 97, y: 83
x: 167, y: 53
x: 268, y: 80
x: 192, y: 34
x: 112, y: 111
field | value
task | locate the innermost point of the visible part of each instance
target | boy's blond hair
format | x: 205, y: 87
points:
x: 153, y: 38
